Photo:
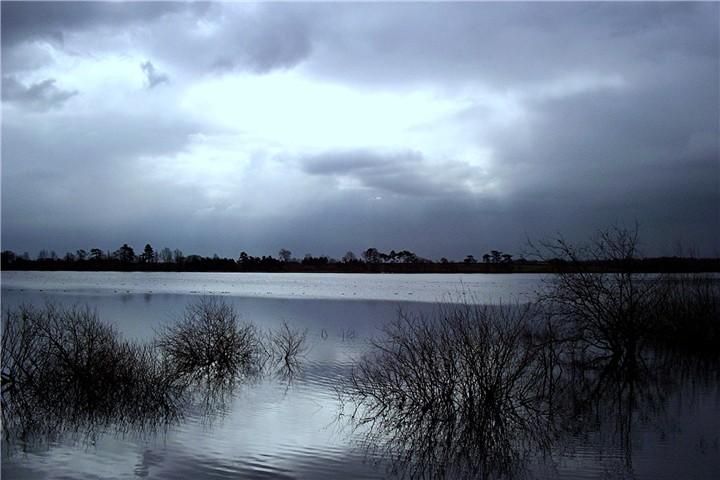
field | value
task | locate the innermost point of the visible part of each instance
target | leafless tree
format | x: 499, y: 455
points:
x: 598, y: 293
x: 209, y: 344
x: 463, y: 393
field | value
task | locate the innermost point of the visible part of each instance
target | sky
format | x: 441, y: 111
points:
x: 446, y: 129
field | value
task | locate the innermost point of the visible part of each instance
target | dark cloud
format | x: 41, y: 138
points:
x: 620, y: 142
x: 504, y: 45
x: 257, y: 38
x: 272, y: 37
x: 154, y: 77
x: 22, y: 21
x: 401, y: 173
x: 603, y: 113
x: 41, y: 96
x: 347, y: 163
x: 78, y: 180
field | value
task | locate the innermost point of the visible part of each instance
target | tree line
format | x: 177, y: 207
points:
x: 126, y: 254
x: 370, y: 260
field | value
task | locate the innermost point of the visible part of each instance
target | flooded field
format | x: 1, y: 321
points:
x: 658, y: 422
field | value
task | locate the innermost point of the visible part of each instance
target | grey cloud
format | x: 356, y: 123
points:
x: 28, y: 26
x: 504, y: 45
x: 41, y: 96
x: 265, y: 40
x: 400, y: 44
x: 154, y: 77
x: 24, y: 57
x: 646, y: 137
x: 256, y: 38
x: 649, y: 152
x: 574, y: 161
x: 245, y: 38
x: 401, y: 173
x: 72, y: 180
x: 23, y: 21
x: 351, y: 162
x: 84, y: 147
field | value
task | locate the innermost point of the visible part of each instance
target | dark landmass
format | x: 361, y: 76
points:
x: 371, y: 261
x: 470, y: 391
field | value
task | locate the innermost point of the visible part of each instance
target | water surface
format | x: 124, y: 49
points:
x: 275, y: 428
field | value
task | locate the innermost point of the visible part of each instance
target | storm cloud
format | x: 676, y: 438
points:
x: 446, y: 129
x: 40, y: 96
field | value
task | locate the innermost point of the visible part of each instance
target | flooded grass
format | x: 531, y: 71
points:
x: 210, y: 345
x: 65, y: 373
x: 478, y: 391
x: 468, y: 391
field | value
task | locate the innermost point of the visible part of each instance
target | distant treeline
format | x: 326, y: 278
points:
x: 370, y: 261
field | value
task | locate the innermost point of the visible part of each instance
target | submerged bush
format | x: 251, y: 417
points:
x: 210, y: 345
x: 687, y: 314
x: 601, y: 302
x: 465, y: 393
x: 608, y: 310
x: 286, y: 348
x: 64, y: 371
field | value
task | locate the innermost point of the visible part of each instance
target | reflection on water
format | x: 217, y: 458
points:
x: 660, y: 420
x: 465, y: 393
x: 491, y: 392
x: 65, y: 373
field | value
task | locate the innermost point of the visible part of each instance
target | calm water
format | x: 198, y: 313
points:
x: 279, y: 429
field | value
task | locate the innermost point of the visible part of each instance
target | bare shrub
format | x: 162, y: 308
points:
x: 210, y: 345
x: 606, y: 309
x: 67, y: 372
x: 21, y: 343
x: 468, y: 390
x: 287, y: 346
x: 597, y: 292
x: 688, y: 314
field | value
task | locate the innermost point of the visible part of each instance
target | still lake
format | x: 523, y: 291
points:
x: 275, y: 428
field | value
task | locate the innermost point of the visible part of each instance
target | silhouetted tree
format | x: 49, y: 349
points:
x: 8, y: 257
x: 310, y: 260
x: 166, y: 255
x: 371, y: 255
x: 406, y: 256
x: 496, y: 255
x: 125, y: 254
x: 470, y: 259
x: 148, y: 255
x: 486, y: 258
x: 96, y: 254
x: 81, y: 254
x: 349, y: 257
x: 285, y: 255
x: 506, y: 258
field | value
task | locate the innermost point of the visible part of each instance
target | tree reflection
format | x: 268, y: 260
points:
x: 483, y: 392
x: 465, y: 394
x: 67, y: 375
